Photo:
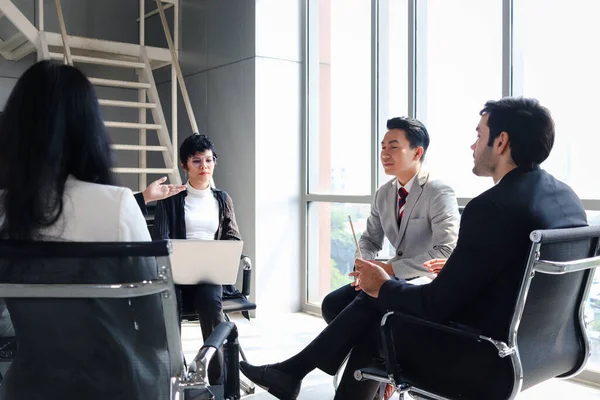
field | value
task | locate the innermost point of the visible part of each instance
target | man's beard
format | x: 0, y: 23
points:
x: 484, y: 167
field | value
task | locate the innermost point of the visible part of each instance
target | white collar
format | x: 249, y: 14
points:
x: 197, y: 192
x: 408, y: 185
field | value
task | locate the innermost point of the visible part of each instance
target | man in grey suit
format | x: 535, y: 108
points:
x: 415, y: 212
x: 419, y: 216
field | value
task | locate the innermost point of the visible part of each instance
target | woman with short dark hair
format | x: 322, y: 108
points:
x: 203, y: 213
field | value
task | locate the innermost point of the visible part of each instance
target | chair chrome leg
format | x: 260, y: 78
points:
x: 247, y: 388
x: 336, y: 377
x: 242, y: 354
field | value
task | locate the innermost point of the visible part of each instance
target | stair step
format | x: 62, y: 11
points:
x: 127, y: 104
x: 131, y: 125
x: 142, y: 170
x: 138, y: 147
x: 13, y: 42
x: 100, y: 61
x: 121, y: 84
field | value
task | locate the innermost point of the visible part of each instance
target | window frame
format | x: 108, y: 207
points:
x: 311, y: 121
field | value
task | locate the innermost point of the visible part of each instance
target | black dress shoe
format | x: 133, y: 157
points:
x: 280, y: 384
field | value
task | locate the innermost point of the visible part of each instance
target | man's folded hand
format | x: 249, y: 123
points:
x: 370, y: 277
x: 386, y: 266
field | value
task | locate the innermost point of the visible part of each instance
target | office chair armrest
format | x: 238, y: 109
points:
x: 223, y: 332
x: 566, y: 267
x: 247, y: 275
x: 458, y: 330
x: 392, y: 368
x: 545, y: 236
x: 451, y: 327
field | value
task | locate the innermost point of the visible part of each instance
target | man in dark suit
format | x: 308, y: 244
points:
x: 479, y: 283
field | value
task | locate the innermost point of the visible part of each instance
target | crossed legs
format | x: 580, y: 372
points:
x: 356, y: 327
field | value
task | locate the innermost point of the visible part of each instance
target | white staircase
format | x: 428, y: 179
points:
x: 15, y: 47
x: 109, y: 55
x: 149, y: 100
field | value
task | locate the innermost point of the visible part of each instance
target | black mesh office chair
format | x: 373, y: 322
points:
x: 547, y: 336
x: 99, y: 321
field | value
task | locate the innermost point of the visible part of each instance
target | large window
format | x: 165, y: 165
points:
x: 558, y: 62
x: 459, y: 68
x: 331, y: 245
x: 345, y: 125
x: 341, y: 81
x: 392, y: 77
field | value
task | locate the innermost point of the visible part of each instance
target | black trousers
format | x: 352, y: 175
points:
x: 353, y: 319
x: 207, y: 302
x: 335, y: 302
x: 461, y: 366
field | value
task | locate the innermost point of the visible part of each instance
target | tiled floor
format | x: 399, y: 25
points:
x: 267, y: 340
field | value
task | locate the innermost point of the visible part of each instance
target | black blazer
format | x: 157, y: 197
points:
x: 481, y: 279
x: 169, y: 220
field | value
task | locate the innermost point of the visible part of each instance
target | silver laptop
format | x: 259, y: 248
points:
x: 206, y: 261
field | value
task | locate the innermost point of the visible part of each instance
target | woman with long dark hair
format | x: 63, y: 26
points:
x: 56, y: 184
x: 55, y: 163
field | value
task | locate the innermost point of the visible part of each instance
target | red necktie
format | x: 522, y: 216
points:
x: 402, y: 194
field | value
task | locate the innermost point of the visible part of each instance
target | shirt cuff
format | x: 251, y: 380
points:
x: 403, y: 270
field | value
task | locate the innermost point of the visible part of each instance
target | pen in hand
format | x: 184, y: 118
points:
x: 355, y: 283
x: 354, y: 235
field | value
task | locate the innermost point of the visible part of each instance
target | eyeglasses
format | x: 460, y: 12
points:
x: 197, y: 162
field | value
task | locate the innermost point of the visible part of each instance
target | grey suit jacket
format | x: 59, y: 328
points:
x: 429, y: 226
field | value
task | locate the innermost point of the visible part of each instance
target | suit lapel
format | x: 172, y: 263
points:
x: 413, y: 197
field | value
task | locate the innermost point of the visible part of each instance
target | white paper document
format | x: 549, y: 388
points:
x: 422, y: 280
